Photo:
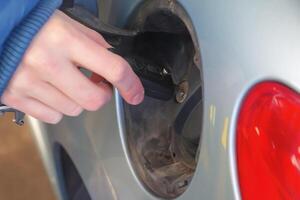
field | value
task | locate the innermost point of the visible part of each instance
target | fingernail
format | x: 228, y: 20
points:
x: 57, y: 119
x: 77, y: 111
x: 137, y: 99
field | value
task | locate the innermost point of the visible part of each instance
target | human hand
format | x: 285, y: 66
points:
x: 48, y: 83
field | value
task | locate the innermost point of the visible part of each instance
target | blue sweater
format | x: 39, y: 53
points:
x: 20, y: 20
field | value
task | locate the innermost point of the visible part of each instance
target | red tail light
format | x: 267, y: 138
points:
x: 268, y: 143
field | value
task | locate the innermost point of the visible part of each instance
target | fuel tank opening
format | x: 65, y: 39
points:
x: 163, y: 137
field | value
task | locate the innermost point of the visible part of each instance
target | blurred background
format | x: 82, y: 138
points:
x: 22, y: 175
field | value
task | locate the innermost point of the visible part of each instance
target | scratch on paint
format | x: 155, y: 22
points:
x: 225, y: 133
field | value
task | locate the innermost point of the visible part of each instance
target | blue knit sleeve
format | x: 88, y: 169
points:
x: 11, y: 14
x: 19, y: 38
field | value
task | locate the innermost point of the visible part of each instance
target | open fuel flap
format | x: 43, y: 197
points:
x: 163, y: 133
x: 163, y: 137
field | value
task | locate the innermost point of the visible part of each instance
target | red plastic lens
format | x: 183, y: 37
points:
x: 268, y: 143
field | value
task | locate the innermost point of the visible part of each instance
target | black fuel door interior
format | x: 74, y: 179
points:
x: 164, y: 136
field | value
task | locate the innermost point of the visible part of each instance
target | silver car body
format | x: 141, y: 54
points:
x: 241, y: 43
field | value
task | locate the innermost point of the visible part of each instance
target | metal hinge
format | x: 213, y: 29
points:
x: 19, y: 116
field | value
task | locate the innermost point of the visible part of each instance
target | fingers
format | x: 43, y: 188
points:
x: 79, y: 88
x: 53, y: 98
x: 112, y: 67
x: 31, y: 107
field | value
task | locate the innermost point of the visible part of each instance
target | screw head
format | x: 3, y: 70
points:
x: 182, y: 92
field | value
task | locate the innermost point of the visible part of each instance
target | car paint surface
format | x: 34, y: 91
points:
x: 241, y: 43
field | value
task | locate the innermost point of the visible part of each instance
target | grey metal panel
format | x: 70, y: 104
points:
x: 242, y: 43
